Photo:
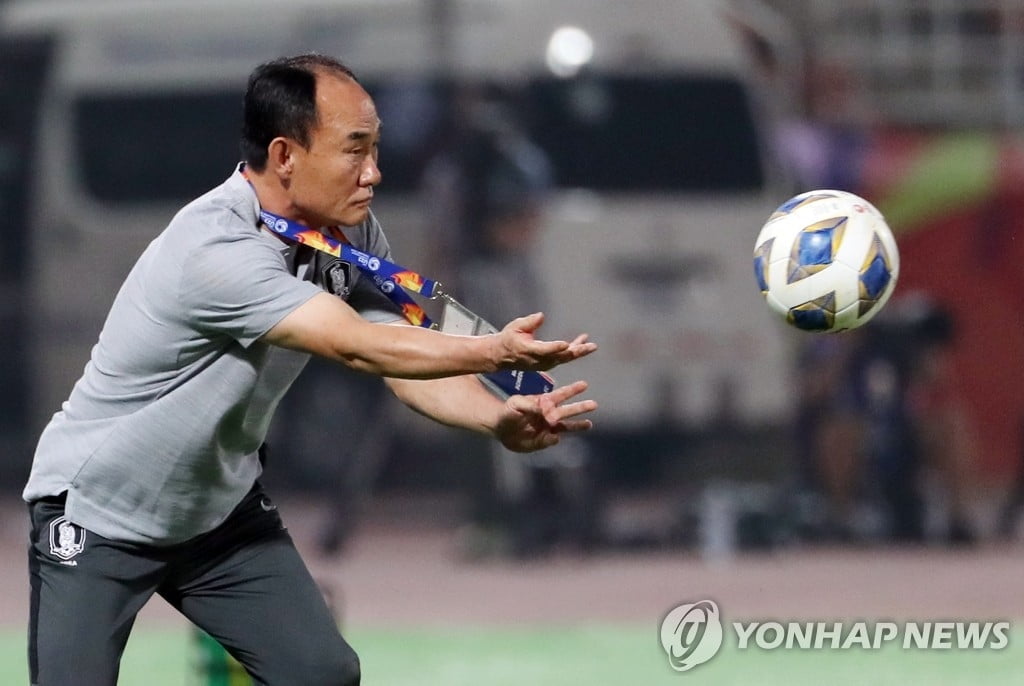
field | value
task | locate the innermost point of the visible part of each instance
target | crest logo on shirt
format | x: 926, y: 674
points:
x: 335, y: 277
x: 66, y: 539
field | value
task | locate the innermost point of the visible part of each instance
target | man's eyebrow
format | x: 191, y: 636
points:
x: 362, y: 134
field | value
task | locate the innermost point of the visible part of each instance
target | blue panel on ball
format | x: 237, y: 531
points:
x: 818, y: 244
x: 798, y: 202
x: 876, y: 277
x: 811, y: 320
x: 761, y: 262
x: 815, y: 248
x: 817, y: 315
x: 790, y: 205
x: 762, y: 281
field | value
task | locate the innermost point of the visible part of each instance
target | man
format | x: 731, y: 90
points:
x: 146, y: 481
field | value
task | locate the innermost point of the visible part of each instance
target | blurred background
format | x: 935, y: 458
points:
x: 609, y: 163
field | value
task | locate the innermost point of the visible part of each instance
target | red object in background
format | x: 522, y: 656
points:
x: 971, y: 261
x: 988, y: 348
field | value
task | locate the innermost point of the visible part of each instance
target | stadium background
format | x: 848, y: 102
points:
x: 937, y: 102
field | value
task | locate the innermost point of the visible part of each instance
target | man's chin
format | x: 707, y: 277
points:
x: 355, y: 216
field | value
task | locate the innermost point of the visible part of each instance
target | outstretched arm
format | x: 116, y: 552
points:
x: 522, y: 423
x: 328, y: 327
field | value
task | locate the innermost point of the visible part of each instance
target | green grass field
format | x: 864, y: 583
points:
x: 596, y: 656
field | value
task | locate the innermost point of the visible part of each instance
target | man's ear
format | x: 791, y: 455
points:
x: 280, y: 154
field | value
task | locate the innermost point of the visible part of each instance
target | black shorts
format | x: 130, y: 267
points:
x: 243, y: 583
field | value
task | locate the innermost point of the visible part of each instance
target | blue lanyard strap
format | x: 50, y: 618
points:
x: 393, y: 280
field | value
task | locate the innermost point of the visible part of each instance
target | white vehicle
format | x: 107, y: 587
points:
x: 645, y: 107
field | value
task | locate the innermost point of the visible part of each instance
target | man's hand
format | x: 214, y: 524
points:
x: 327, y: 326
x: 535, y: 422
x: 520, y: 350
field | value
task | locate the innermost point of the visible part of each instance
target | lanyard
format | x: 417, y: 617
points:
x: 391, y: 279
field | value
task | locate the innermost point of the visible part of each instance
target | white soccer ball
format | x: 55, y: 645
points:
x: 826, y: 261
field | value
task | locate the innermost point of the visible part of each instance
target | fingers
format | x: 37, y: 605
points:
x: 529, y: 323
x: 535, y: 422
x: 526, y: 352
x: 525, y: 404
x: 574, y: 425
x: 553, y: 408
x: 559, y: 395
x: 560, y: 413
x: 548, y: 354
x: 581, y: 347
x: 540, y: 350
x: 539, y: 404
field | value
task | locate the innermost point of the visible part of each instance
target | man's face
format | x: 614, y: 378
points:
x: 332, y: 181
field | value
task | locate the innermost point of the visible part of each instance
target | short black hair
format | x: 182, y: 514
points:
x: 280, y: 100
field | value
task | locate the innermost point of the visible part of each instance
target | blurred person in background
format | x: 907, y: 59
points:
x: 818, y: 138
x: 936, y: 410
x: 880, y: 422
x: 147, y: 480
x: 491, y: 183
x: 878, y: 411
x: 824, y: 143
x: 481, y: 131
x: 829, y: 435
x: 342, y: 474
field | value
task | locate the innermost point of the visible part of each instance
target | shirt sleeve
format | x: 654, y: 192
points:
x: 241, y: 287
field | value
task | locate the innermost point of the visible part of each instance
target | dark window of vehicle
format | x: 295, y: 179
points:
x: 153, y: 147
x: 621, y: 133
x: 135, y: 148
x: 606, y: 133
x: 24, y: 65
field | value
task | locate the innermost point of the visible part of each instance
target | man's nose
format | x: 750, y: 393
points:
x: 370, y: 175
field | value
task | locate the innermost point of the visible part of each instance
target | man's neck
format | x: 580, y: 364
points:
x: 272, y: 196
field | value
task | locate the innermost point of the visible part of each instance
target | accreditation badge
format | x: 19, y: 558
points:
x: 458, y: 319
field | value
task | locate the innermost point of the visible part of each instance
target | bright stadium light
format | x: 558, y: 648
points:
x: 570, y: 48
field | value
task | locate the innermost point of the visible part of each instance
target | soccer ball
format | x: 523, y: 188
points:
x: 826, y: 261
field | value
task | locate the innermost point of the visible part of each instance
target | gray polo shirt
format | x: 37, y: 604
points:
x: 158, y: 440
